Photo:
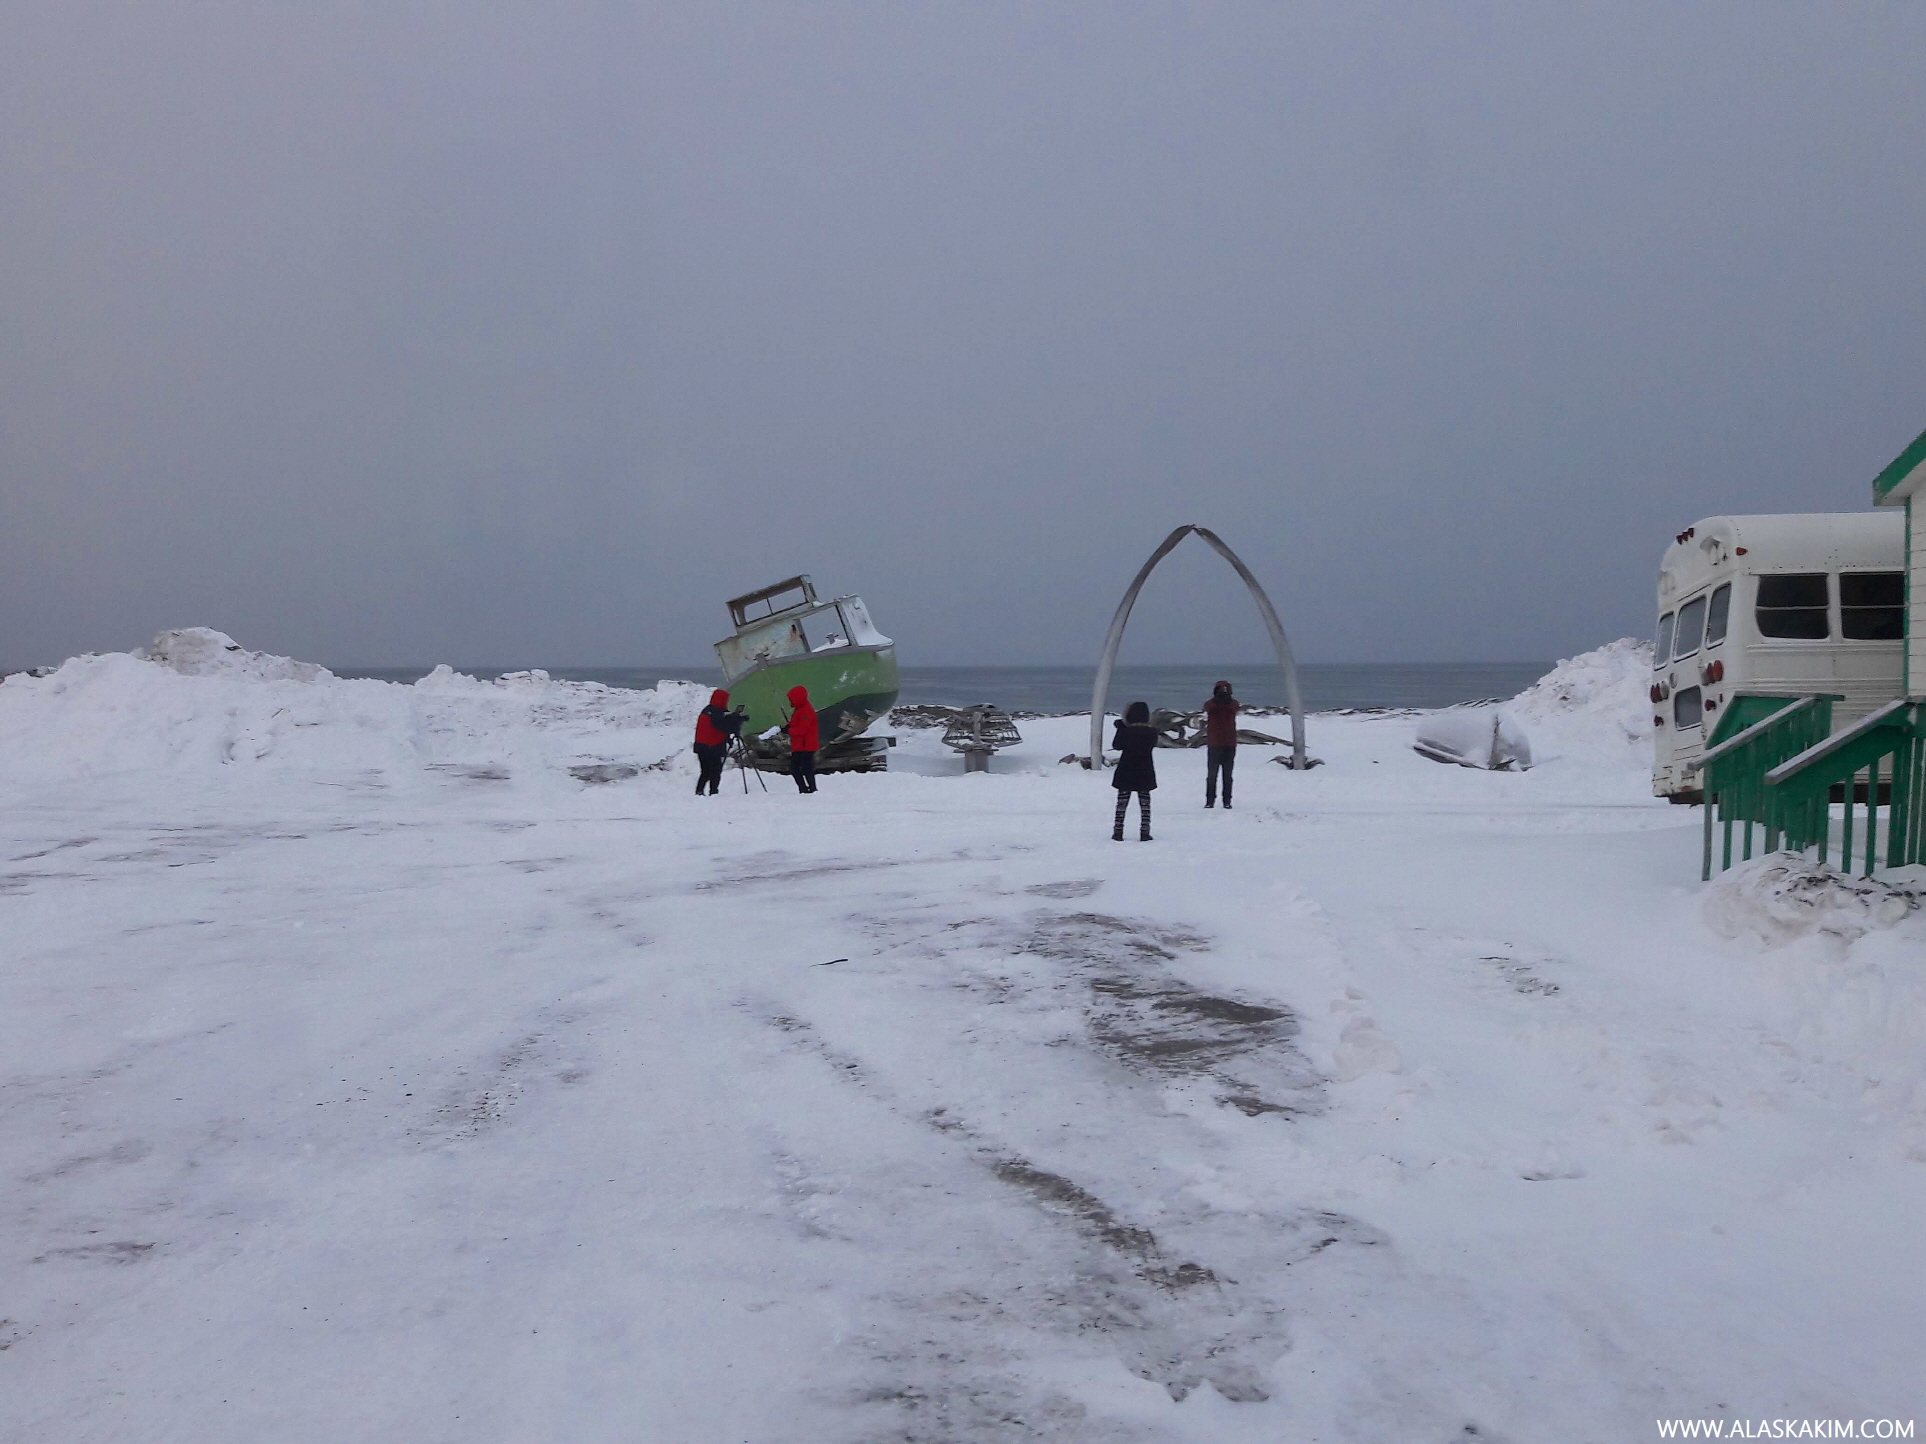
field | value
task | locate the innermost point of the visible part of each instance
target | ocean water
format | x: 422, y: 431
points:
x: 1326, y: 687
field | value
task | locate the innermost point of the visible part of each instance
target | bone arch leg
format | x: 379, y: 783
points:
x: 1285, y: 661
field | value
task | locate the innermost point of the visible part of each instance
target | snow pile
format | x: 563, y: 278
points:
x: 1474, y: 737
x: 1784, y: 896
x: 1591, y: 708
x: 1832, y: 975
x: 204, y: 652
x: 195, y: 700
x: 1594, y: 703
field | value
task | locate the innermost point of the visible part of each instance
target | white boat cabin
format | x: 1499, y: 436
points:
x: 1781, y: 605
x: 786, y: 621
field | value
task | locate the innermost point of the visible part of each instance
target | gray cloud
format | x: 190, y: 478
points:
x: 383, y: 333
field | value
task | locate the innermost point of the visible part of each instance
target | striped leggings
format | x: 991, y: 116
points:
x: 1143, y: 814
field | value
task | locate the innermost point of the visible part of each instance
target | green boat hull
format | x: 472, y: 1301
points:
x: 849, y: 688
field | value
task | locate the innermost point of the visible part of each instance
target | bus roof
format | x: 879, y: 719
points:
x: 1799, y: 541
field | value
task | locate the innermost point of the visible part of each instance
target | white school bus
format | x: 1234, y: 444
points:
x: 1773, y: 604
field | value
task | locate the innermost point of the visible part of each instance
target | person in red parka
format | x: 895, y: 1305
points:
x: 716, y: 725
x: 804, y: 738
x: 1220, y: 740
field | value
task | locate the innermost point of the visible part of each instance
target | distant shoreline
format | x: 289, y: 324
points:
x: 1041, y: 691
x: 1065, y: 691
x: 696, y: 672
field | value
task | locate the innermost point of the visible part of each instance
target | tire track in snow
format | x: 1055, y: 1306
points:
x: 1197, y: 1294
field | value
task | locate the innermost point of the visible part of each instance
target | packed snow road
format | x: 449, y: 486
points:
x: 470, y: 1102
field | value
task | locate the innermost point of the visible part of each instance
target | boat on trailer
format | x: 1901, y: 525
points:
x: 787, y: 637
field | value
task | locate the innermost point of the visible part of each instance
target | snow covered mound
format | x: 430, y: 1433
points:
x: 1785, y: 896
x: 1594, y: 702
x: 195, y: 700
x: 1474, y: 737
x: 204, y: 652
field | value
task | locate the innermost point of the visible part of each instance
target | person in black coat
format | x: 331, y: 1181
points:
x: 1136, y: 770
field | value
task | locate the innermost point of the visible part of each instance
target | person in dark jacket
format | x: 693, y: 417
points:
x: 1220, y: 741
x: 1136, y: 770
x: 716, y: 726
x: 803, y: 739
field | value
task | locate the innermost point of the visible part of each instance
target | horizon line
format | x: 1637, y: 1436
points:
x: 945, y: 666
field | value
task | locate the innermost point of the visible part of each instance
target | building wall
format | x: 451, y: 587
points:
x: 1915, y: 597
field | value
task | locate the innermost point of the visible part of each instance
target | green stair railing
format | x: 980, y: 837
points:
x: 1755, y: 734
x: 1883, y: 752
x: 1774, y: 764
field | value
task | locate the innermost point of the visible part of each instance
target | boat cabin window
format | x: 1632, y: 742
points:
x: 822, y: 630
x: 788, y: 596
x: 1716, y: 617
x: 1793, y: 604
x: 1691, y: 628
x: 1688, y: 708
x: 1872, y: 606
x: 827, y: 630
x: 1662, y: 648
x: 759, y: 644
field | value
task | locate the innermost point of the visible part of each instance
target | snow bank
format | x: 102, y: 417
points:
x: 204, y: 652
x: 195, y: 699
x: 1591, y: 709
x: 1832, y: 984
x: 1784, y: 896
x: 1594, y: 704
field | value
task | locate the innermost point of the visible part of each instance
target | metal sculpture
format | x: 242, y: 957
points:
x: 1286, y: 663
x: 978, y: 731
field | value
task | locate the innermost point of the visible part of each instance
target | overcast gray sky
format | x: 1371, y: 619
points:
x: 388, y: 332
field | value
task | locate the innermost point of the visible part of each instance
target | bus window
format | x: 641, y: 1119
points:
x: 1662, y: 648
x: 1715, y: 618
x: 1691, y: 628
x: 1793, y: 604
x: 1872, y: 606
x: 1688, y: 708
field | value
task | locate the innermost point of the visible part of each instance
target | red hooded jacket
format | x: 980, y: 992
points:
x: 1220, y: 717
x: 708, y: 734
x: 803, y: 734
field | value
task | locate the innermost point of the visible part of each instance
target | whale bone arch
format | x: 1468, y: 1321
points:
x: 1286, y: 662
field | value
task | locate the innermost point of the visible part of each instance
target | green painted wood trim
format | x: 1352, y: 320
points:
x: 1815, y: 779
x: 1798, y: 806
x: 1903, y: 466
x: 1758, y: 733
x: 1748, y: 709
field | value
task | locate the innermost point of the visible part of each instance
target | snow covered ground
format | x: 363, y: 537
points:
x: 366, y: 1075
